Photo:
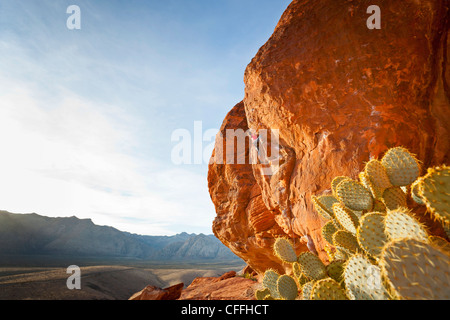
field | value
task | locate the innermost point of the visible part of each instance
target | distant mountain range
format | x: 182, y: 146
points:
x: 33, y: 234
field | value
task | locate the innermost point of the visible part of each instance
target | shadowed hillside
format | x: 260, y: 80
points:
x: 32, y: 234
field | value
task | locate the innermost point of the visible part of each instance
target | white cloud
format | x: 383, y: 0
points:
x: 74, y: 158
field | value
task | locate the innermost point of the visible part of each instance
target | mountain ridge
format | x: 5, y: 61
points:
x: 31, y: 234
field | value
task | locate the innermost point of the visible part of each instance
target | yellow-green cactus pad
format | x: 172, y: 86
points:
x: 346, y: 217
x: 262, y: 293
x: 416, y: 270
x: 287, y: 287
x: 440, y: 243
x: 312, y: 266
x: 270, y: 282
x: 335, y: 270
x: 401, y: 166
x: 434, y: 190
x: 363, y: 279
x: 394, y: 198
x: 284, y: 250
x: 376, y: 172
x: 400, y: 224
x: 346, y: 240
x: 323, y: 205
x: 328, y: 289
x: 370, y: 234
x: 376, y: 191
x: 354, y: 195
x: 307, y: 289
x: 297, y: 270
x: 335, y: 183
x: 328, y: 230
x: 415, y: 191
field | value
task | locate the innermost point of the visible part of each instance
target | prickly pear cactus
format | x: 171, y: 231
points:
x: 312, y: 266
x: 394, y: 198
x: 328, y: 289
x: 347, y: 241
x: 363, y: 279
x: 346, y: 217
x: 324, y: 205
x: 400, y: 224
x: 328, y: 230
x: 335, y: 270
x: 401, y: 166
x: 371, y: 233
x: 434, y: 191
x: 377, y: 248
x: 377, y: 174
x: 307, y: 289
x: 354, y: 195
x: 287, y: 287
x: 416, y: 270
x: 284, y: 250
x: 270, y: 280
x: 261, y: 294
x: 335, y: 183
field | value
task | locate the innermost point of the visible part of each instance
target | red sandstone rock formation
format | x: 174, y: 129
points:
x: 339, y: 94
x: 226, y: 287
x: 155, y: 293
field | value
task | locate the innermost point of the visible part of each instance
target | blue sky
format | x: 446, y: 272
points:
x: 86, y: 116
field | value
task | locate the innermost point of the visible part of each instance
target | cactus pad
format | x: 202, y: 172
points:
x: 297, y: 270
x: 323, y: 205
x: 346, y: 240
x: 307, y: 289
x: 400, y: 224
x: 328, y: 230
x: 262, y: 293
x: 377, y: 192
x: 416, y: 270
x: 346, y: 217
x: 354, y: 195
x: 440, y: 243
x: 434, y: 190
x: 312, y: 266
x: 287, y: 287
x: 284, y: 250
x: 376, y: 172
x: 401, y: 166
x: 371, y: 236
x: 415, y: 191
x: 363, y: 279
x: 394, y: 198
x: 270, y: 282
x: 335, y: 270
x: 335, y: 183
x: 328, y: 289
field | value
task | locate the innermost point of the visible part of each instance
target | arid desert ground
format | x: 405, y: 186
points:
x: 111, y: 282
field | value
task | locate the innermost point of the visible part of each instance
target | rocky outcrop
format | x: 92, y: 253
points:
x: 243, y: 221
x: 155, y: 293
x: 226, y: 287
x: 338, y: 94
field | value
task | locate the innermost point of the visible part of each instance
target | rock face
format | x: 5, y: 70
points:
x: 338, y: 94
x: 155, y: 293
x: 226, y: 287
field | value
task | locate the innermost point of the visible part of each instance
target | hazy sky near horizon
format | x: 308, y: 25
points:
x: 86, y: 116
